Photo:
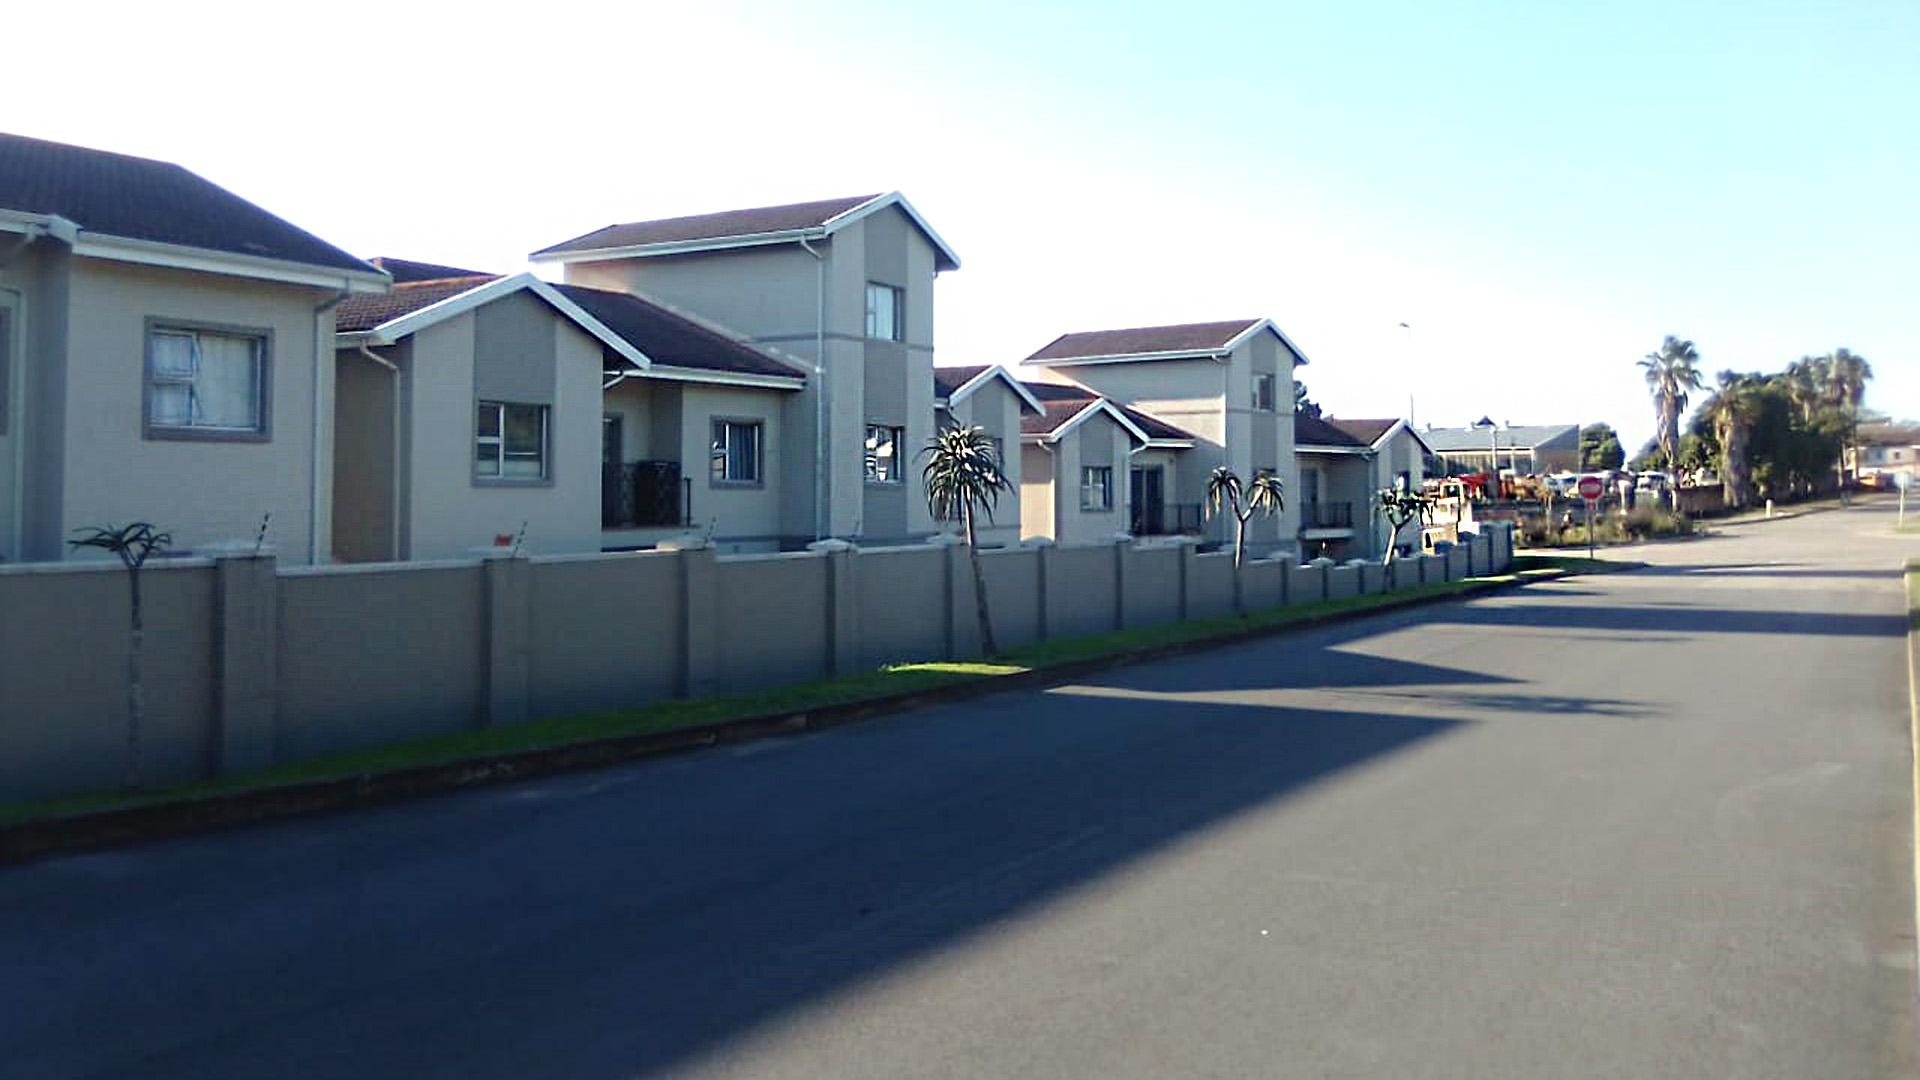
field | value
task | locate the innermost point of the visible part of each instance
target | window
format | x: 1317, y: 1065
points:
x: 883, y: 454
x: 510, y: 442
x: 885, y: 306
x: 736, y: 452
x: 1096, y: 487
x: 1263, y: 393
x: 205, y: 383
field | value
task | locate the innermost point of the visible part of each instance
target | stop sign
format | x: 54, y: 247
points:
x: 1591, y: 487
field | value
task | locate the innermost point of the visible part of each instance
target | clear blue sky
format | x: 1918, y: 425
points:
x: 1541, y: 190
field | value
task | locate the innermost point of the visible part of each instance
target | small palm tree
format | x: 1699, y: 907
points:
x: 963, y: 478
x: 133, y: 544
x: 1672, y: 374
x: 1732, y: 409
x: 1265, y: 495
x: 1400, y: 506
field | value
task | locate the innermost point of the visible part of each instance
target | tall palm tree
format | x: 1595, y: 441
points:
x: 133, y: 544
x: 1805, y: 383
x: 1847, y: 377
x: 1732, y: 409
x: 1265, y: 495
x: 1671, y: 374
x: 964, y: 478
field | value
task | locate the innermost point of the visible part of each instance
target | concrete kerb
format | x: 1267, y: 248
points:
x: 1913, y: 718
x: 53, y: 836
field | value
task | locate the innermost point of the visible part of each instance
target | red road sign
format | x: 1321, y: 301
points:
x: 1591, y: 487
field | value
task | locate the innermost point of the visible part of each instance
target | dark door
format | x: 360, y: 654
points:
x: 616, y: 501
x: 1149, y: 501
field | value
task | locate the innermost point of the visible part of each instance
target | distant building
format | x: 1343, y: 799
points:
x: 1882, y: 450
x: 1524, y: 448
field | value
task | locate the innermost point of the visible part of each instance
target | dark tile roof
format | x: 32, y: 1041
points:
x: 1313, y: 431
x: 140, y: 199
x: 726, y: 223
x: 404, y: 270
x: 1367, y: 431
x: 1061, y: 403
x: 364, y: 311
x: 672, y: 338
x: 948, y: 379
x: 1188, y: 337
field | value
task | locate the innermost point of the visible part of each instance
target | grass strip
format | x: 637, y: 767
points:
x: 896, y: 681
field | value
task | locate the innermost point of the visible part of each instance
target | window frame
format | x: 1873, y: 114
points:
x: 759, y: 426
x: 899, y: 295
x: 261, y: 432
x: 500, y: 479
x: 1105, y: 488
x: 1269, y: 402
x: 899, y: 434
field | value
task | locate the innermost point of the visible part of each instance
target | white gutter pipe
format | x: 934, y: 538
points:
x: 313, y: 456
x: 822, y: 485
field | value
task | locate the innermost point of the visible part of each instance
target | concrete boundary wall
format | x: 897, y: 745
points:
x: 248, y: 664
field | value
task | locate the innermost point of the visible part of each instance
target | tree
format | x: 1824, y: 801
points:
x: 1731, y: 411
x: 963, y: 478
x: 1600, y: 447
x: 1847, y: 377
x: 1399, y: 506
x: 1266, y: 495
x: 133, y: 544
x: 1302, y: 404
x: 1671, y: 374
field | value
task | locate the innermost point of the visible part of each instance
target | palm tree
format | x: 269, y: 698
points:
x: 1731, y: 409
x: 1847, y: 377
x: 1266, y: 495
x: 1805, y: 383
x: 1671, y: 375
x: 963, y: 478
x: 133, y: 544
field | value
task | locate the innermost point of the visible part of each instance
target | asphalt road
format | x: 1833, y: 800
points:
x: 1647, y: 825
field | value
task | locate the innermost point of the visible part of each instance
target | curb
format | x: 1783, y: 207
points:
x: 81, y: 832
x: 1912, y: 567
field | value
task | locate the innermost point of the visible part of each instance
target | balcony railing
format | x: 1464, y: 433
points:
x: 1166, y: 519
x: 644, y: 494
x: 1326, y: 515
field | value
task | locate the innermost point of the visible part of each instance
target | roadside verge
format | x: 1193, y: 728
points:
x: 498, y: 755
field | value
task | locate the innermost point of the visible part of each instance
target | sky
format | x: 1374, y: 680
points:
x: 1539, y: 191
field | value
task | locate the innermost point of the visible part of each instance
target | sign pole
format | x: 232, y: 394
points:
x: 1589, y: 503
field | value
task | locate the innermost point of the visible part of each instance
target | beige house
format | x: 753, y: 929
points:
x: 166, y: 355
x: 1882, y: 452
x: 1524, y: 448
x: 1092, y: 469
x: 1228, y: 386
x: 990, y: 398
x: 846, y: 286
x: 478, y: 409
x: 1343, y: 464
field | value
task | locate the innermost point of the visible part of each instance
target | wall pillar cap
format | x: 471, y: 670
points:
x: 495, y: 551
x: 1121, y: 538
x: 945, y: 539
x: 1321, y: 561
x: 832, y: 543
x: 684, y: 542
x: 237, y: 549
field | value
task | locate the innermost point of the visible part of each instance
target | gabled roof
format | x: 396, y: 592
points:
x: 953, y: 384
x: 675, y: 339
x: 654, y: 338
x: 1178, y: 342
x: 405, y: 270
x: 1062, y: 406
x: 157, y: 213
x: 1311, y: 432
x: 1518, y: 436
x: 759, y: 225
x: 1375, y: 433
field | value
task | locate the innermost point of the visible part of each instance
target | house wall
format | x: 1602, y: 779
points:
x: 440, y: 647
x: 742, y: 517
x: 449, y: 511
x: 1399, y: 454
x: 1344, y: 478
x: 1097, y: 441
x: 201, y: 492
x: 1038, y: 500
x: 366, y: 427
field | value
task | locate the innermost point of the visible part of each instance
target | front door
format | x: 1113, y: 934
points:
x: 1149, y: 502
x: 10, y: 436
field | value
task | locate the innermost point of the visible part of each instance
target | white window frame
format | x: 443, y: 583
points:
x: 1096, y: 488
x: 871, y: 460
x: 896, y: 332
x: 720, y: 433
x: 261, y: 430
x: 498, y: 442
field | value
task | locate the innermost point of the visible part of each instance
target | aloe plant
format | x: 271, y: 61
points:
x: 134, y: 544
